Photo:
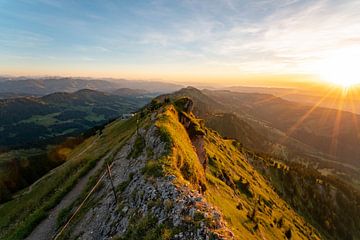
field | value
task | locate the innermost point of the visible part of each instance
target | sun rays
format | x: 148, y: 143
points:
x: 352, y: 104
x: 336, y: 129
x: 334, y: 113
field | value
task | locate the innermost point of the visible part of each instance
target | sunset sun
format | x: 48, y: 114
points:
x: 341, y: 68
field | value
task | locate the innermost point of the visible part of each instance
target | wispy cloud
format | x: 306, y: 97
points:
x: 239, y: 36
x: 22, y: 38
x: 284, y: 40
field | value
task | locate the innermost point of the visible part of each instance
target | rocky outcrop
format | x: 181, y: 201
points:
x: 185, y: 104
x: 196, y: 135
x: 198, y: 142
x: 185, y: 120
x: 168, y: 206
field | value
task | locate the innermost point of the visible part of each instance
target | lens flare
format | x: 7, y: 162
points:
x: 341, y: 68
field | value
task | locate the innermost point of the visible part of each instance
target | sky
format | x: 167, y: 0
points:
x: 205, y: 41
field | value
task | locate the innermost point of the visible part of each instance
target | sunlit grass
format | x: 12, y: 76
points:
x: 227, y: 167
x: 269, y: 206
x: 182, y: 160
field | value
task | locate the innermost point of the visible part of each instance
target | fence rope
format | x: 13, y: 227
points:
x: 82, y: 203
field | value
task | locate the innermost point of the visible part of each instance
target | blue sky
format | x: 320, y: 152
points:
x: 175, y: 40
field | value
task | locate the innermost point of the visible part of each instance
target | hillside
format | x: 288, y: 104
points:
x: 174, y: 178
x: 333, y: 132
x: 130, y: 92
x: 28, y: 120
x: 231, y: 126
x: 33, y: 130
x: 5, y: 95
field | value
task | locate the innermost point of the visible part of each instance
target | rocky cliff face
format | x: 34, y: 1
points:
x: 196, y: 135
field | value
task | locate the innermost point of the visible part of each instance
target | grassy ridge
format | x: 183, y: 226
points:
x: 249, y: 204
x: 21, y: 215
x: 182, y: 160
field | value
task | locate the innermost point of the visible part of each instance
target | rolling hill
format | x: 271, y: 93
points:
x: 330, y: 131
x: 44, y: 86
x: 312, y: 95
x: 131, y: 92
x: 30, y: 120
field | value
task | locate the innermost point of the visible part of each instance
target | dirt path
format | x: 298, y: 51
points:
x: 53, y: 170
x: 47, y: 228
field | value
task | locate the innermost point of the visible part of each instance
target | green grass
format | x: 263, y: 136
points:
x: 122, y: 186
x: 63, y: 216
x: 95, y: 117
x: 20, y: 215
x: 138, y: 147
x: 153, y: 168
x: 165, y: 135
x: 19, y: 154
x: 67, y: 131
x: 44, y: 120
x: 233, y: 182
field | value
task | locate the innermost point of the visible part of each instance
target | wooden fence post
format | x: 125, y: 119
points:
x: 111, y: 181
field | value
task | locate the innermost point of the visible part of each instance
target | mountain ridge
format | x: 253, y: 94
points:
x: 174, y: 154
x: 43, y: 86
x: 172, y: 177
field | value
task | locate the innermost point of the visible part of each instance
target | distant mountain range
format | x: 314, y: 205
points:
x: 328, y: 97
x: 43, y: 86
x: 25, y: 121
x: 130, y: 92
x: 330, y: 131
